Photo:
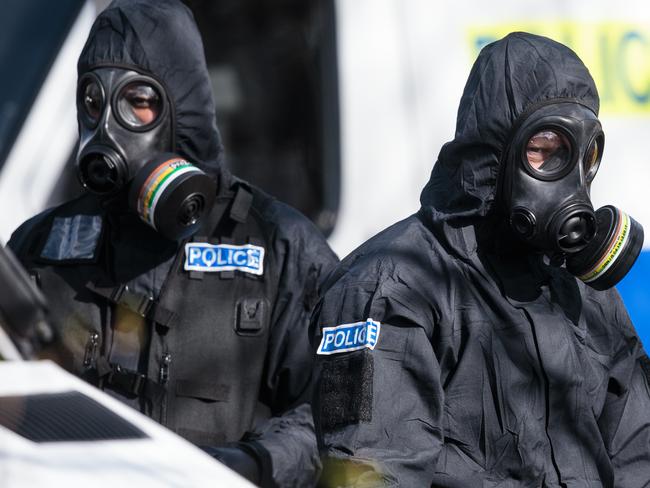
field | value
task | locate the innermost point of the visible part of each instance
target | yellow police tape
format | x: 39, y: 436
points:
x: 616, y: 53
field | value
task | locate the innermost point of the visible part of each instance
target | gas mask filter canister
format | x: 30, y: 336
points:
x: 172, y: 196
x: 611, y: 253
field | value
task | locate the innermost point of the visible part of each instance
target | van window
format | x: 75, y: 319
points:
x: 31, y: 34
x: 273, y: 66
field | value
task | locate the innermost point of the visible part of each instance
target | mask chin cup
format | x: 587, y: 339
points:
x: 101, y: 170
x: 172, y: 195
x: 611, y: 253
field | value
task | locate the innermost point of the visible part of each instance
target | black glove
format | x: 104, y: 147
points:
x: 239, y: 459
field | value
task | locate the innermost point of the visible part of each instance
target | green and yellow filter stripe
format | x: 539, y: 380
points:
x: 155, y: 185
x: 617, y: 243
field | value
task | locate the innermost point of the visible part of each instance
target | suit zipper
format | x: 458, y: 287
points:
x: 163, y: 379
x: 91, y: 350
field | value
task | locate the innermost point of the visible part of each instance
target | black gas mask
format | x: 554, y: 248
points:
x: 125, y: 138
x: 552, y: 159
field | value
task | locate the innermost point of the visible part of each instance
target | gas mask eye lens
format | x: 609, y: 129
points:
x: 92, y: 100
x: 139, y: 104
x: 547, y: 152
x: 592, y: 159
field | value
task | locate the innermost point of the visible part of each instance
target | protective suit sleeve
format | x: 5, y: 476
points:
x: 289, y: 443
x: 625, y: 417
x: 289, y: 435
x: 378, y: 411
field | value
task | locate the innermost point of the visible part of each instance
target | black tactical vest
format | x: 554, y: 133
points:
x: 209, y: 330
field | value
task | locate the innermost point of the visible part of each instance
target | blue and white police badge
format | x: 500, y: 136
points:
x: 349, y: 337
x: 201, y: 256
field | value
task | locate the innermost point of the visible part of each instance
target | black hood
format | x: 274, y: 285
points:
x: 511, y: 77
x: 160, y: 38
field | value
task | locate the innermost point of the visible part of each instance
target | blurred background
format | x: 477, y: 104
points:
x: 338, y: 107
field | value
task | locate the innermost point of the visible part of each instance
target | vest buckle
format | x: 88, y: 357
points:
x: 136, y: 302
x: 125, y: 380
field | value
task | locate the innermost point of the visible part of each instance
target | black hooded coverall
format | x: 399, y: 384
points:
x: 491, y: 368
x: 227, y: 355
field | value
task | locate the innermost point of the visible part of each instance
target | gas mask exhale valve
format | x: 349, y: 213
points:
x: 550, y: 164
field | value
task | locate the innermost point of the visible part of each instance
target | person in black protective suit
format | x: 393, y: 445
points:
x: 479, y: 342
x: 176, y: 287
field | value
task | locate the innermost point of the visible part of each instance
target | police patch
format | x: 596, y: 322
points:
x: 201, y: 256
x: 349, y: 337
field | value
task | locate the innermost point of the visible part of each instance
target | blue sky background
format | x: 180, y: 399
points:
x: 636, y: 294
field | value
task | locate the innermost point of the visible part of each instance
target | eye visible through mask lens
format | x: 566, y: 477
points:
x: 139, y: 104
x: 548, y: 152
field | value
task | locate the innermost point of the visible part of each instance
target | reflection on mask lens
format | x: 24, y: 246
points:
x: 592, y: 160
x: 92, y: 100
x: 547, y: 151
x: 139, y: 104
